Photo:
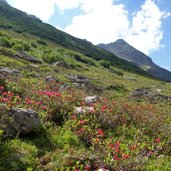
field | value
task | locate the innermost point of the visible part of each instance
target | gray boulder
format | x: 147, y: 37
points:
x: 24, y: 120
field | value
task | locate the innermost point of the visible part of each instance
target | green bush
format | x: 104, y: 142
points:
x: 20, y: 45
x: 105, y: 64
x: 5, y: 42
x: 50, y: 56
x: 34, y: 44
x: 18, y: 155
x: 42, y: 42
x: 84, y: 59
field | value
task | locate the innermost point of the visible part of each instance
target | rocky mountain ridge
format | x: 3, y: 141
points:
x: 125, y: 51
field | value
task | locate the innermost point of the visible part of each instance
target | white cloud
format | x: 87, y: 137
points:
x: 101, y: 22
x: 104, y: 21
x: 146, y: 29
x: 42, y: 9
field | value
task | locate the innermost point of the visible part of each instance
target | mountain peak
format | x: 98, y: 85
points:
x: 125, y: 51
x: 121, y: 41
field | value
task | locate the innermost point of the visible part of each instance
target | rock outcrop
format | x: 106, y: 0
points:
x: 28, y: 57
x: 150, y: 95
x: 79, y: 81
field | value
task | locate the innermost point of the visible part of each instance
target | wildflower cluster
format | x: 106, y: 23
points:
x: 122, y: 135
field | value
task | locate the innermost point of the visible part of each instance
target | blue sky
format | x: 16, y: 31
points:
x: 145, y: 24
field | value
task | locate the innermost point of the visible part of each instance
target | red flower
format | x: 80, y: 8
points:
x: 117, y: 144
x: 44, y: 108
x: 1, y: 88
x: 150, y: 153
x: 74, y: 117
x: 82, y: 122
x: 133, y: 147
x: 97, y: 140
x: 100, y: 132
x: 111, y: 145
x: 87, y: 167
x: 157, y: 140
x: 103, y: 108
x: 116, y: 158
x: 92, y: 105
x: 125, y: 156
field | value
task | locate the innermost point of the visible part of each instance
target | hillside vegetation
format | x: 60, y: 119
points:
x: 66, y: 105
x: 116, y: 132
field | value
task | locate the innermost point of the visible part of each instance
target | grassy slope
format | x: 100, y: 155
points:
x: 98, y: 75
x: 51, y: 144
x: 18, y: 21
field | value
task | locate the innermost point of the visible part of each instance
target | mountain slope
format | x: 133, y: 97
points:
x: 125, y: 51
x: 21, y: 22
x: 90, y: 116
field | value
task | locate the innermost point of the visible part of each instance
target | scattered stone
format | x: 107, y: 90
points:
x: 82, y: 110
x: 64, y: 87
x: 142, y: 92
x: 34, y: 65
x: 79, y: 81
x: 62, y: 64
x: 50, y: 78
x: 55, y: 64
x: 6, y: 70
x: 37, y: 75
x: 28, y: 57
x: 158, y: 90
x: 91, y: 99
x: 151, y: 95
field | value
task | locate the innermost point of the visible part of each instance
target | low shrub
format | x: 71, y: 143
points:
x: 105, y: 64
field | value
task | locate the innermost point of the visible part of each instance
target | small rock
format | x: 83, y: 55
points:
x: 91, y: 99
x: 55, y: 64
x: 64, y: 87
x: 82, y: 110
x: 78, y: 79
x: 50, y: 78
x: 158, y: 90
x: 28, y: 57
x: 6, y: 70
x: 141, y: 92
